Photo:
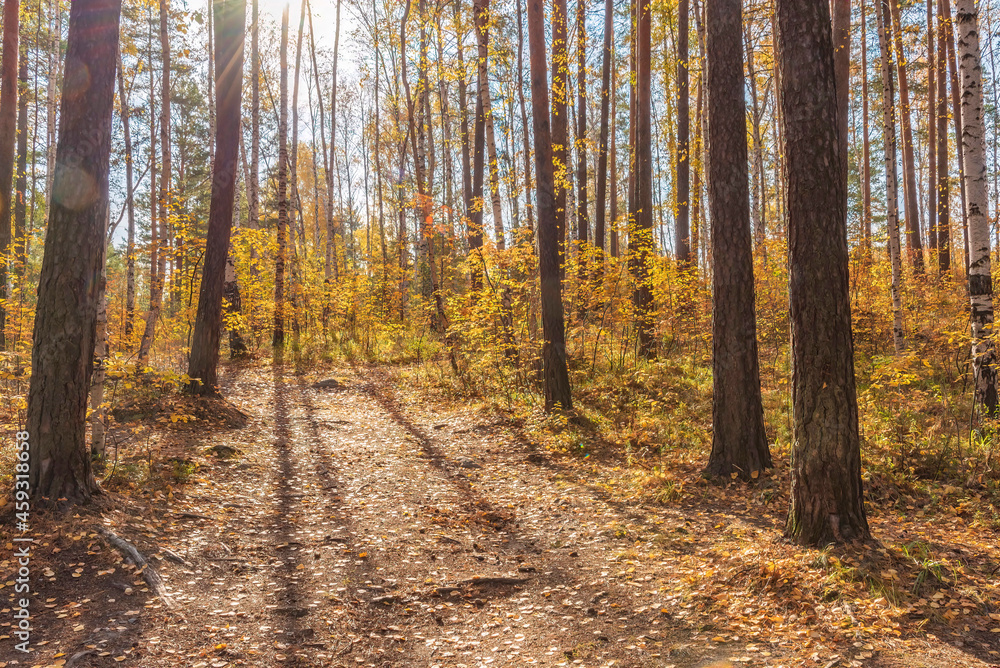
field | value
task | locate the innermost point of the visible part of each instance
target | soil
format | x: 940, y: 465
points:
x: 360, y: 523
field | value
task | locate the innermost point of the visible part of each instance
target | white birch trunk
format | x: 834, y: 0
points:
x: 973, y: 157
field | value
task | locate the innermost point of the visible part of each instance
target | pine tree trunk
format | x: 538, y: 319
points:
x: 55, y: 11
x: 842, y: 70
x: 866, y: 164
x: 557, y: 388
x: 613, y: 158
x: 156, y: 288
x: 21, y: 177
x: 739, y: 443
x: 683, y: 152
x: 66, y: 315
x: 463, y: 121
x: 278, y: 331
x: 129, y: 204
x: 602, y: 150
x: 932, y: 124
x: 230, y: 17
x: 253, y: 185
x: 475, y: 200
x: 957, y: 113
x: 97, y: 408
x: 826, y: 495
x: 582, y: 216
x: 974, y: 161
x: 941, y: 134
x: 331, y: 223
x: 914, y: 243
x: 560, y: 119
x: 891, y: 185
x: 8, y: 137
x: 641, y: 241
x: 482, y: 19
x: 524, y: 121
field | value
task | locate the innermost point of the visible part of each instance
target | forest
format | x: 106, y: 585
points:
x: 499, y: 332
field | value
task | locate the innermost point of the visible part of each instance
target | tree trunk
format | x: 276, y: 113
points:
x: 613, y: 158
x: 8, y: 137
x: 278, y: 333
x: 475, y: 203
x: 331, y: 224
x: 641, y: 240
x: 560, y: 119
x: 866, y: 163
x: 97, y: 408
x: 66, y: 315
x: 941, y: 133
x: 50, y: 95
x: 21, y: 179
x: 253, y: 186
x: 957, y: 113
x: 891, y: 185
x: 482, y: 19
x: 129, y: 204
x: 557, y: 388
x: 913, y: 239
x: 230, y: 17
x: 582, y: 216
x: 602, y: 150
x: 932, y: 141
x: 974, y: 160
x: 524, y: 121
x: 739, y: 443
x: 156, y: 288
x: 463, y: 120
x: 826, y: 496
x: 683, y: 152
x: 842, y: 71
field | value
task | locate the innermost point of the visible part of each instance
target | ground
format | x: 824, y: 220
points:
x: 362, y: 522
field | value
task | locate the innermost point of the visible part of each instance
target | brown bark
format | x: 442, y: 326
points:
x: 582, y: 216
x: 956, y: 108
x: 557, y: 388
x: 278, y: 330
x: 842, y: 71
x: 21, y: 175
x: 230, y: 17
x: 739, y: 444
x: 602, y: 149
x: 932, y: 124
x: 641, y: 240
x: 826, y: 496
x: 560, y: 117
x: 683, y: 152
x: 66, y: 316
x: 943, y: 182
x: 524, y: 121
x: 866, y: 164
x: 914, y: 243
x: 8, y: 137
x: 129, y: 204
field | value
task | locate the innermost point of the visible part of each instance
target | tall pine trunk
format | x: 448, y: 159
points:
x: 641, y: 240
x: 941, y: 133
x: 602, y: 148
x: 556, y: 375
x: 129, y: 204
x: 66, y: 315
x: 891, y: 185
x: 739, y: 443
x: 582, y: 216
x: 8, y: 137
x: 826, y: 495
x: 278, y: 330
x: 230, y: 17
x: 913, y: 239
x: 683, y: 152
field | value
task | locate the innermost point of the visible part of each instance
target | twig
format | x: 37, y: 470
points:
x: 149, y: 573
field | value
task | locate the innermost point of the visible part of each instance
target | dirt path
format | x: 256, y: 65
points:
x: 354, y: 527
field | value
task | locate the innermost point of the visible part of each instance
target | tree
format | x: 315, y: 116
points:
x: 842, y: 68
x: 160, y: 239
x: 8, y: 137
x: 941, y: 134
x: 739, y: 444
x: 974, y: 160
x: 641, y: 238
x: 582, y: 216
x: 826, y: 497
x: 891, y: 184
x: 913, y: 239
x: 66, y: 317
x: 560, y: 115
x: 230, y: 17
x: 129, y: 203
x: 556, y: 374
x: 602, y: 148
x: 866, y: 164
x: 683, y: 190
x: 278, y: 333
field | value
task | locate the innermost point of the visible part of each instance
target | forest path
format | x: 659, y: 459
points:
x: 360, y: 523
x: 355, y: 528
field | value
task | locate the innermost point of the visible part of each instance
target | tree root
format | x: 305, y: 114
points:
x: 149, y: 573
